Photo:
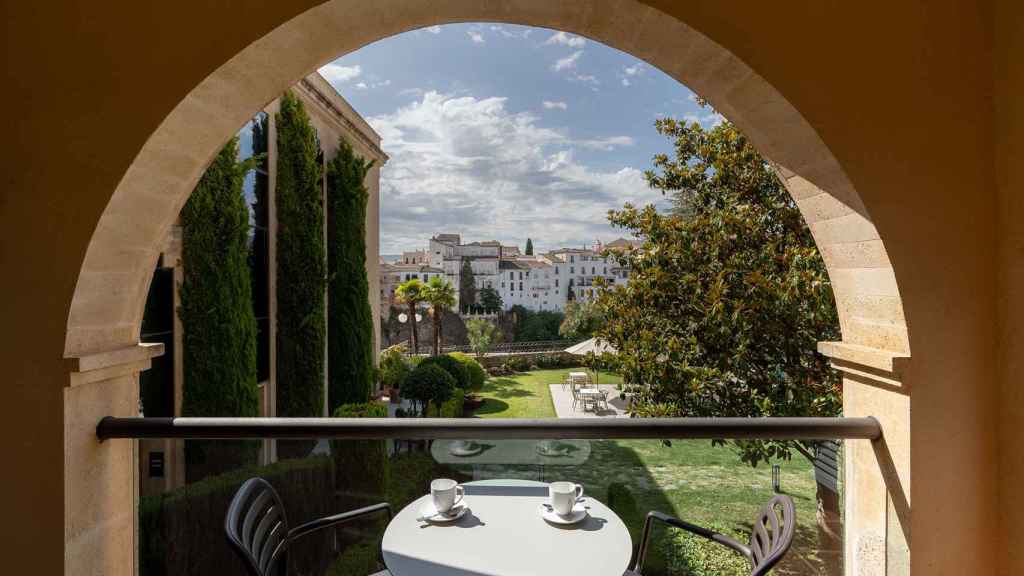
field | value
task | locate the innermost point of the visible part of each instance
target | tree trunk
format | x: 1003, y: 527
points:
x: 439, y: 319
x: 412, y: 324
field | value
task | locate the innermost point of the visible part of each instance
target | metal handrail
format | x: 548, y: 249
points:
x: 865, y: 428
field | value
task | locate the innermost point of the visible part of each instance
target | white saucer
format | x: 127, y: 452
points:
x: 554, y: 451
x: 465, y: 449
x: 430, y: 514
x: 579, y: 512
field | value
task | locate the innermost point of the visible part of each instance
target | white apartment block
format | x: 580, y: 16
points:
x: 541, y: 282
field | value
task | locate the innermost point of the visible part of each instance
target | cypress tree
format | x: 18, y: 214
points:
x: 349, y: 316
x: 219, y: 340
x: 529, y: 247
x: 301, y: 270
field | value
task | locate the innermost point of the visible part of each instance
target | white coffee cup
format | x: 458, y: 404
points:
x: 563, y: 496
x: 446, y: 494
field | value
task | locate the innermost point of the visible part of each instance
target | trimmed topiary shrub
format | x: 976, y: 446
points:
x: 219, y: 340
x: 477, y: 375
x: 452, y: 366
x: 453, y: 407
x: 350, y: 319
x: 428, y: 383
x: 300, y: 264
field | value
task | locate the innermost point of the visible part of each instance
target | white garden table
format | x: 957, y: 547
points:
x: 503, y: 534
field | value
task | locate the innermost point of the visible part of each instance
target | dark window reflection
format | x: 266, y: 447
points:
x: 253, y: 140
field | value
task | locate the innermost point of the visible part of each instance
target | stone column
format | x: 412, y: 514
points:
x: 876, y: 485
x: 101, y: 486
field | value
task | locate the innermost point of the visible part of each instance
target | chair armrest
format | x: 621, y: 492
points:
x: 683, y: 525
x: 328, y: 521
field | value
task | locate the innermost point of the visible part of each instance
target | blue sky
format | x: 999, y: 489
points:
x: 505, y: 132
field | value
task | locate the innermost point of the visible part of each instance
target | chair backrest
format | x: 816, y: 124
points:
x: 773, y: 533
x: 257, y: 528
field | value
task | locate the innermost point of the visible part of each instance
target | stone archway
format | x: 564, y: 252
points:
x: 105, y: 314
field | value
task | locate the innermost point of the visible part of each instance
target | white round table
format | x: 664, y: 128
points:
x: 503, y: 534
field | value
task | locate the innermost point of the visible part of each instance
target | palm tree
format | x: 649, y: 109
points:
x: 411, y: 293
x: 441, y: 296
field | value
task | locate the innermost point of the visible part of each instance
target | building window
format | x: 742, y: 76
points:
x: 252, y: 140
x: 605, y: 270
x: 572, y: 270
x: 156, y: 385
x: 593, y: 270
x: 520, y: 285
x: 556, y: 282
x: 572, y: 259
x: 502, y: 284
x: 556, y: 270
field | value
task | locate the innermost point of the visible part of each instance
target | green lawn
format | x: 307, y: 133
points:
x: 526, y: 395
x: 691, y: 479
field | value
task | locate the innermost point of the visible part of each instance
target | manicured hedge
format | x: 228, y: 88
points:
x: 301, y: 270
x: 361, y: 466
x: 182, y: 531
x: 477, y: 375
x: 350, y: 345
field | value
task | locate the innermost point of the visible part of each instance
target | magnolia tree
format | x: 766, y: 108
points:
x: 727, y: 296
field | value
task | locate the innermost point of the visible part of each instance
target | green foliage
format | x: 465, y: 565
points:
x: 467, y: 286
x: 727, y: 296
x: 691, y: 555
x: 490, y: 300
x: 301, y: 271
x: 428, y: 383
x: 441, y: 296
x: 357, y: 560
x: 175, y: 527
x: 350, y: 345
x: 477, y: 375
x: 411, y: 293
x: 362, y: 410
x: 481, y: 335
x: 534, y: 326
x: 361, y: 466
x: 454, y: 406
x: 582, y: 320
x: 453, y: 366
x: 394, y: 367
x: 529, y: 247
x: 216, y: 294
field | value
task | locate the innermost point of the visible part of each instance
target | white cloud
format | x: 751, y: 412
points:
x: 709, y: 120
x: 588, y: 79
x: 635, y: 70
x: 567, y: 63
x: 516, y: 32
x: 566, y: 40
x: 470, y: 165
x: 608, y: 144
x: 433, y: 29
x: 625, y: 82
x: 548, y: 104
x: 361, y: 85
x: 475, y: 36
x: 337, y: 75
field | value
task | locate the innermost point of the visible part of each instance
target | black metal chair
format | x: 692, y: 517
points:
x: 257, y: 527
x: 773, y: 534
